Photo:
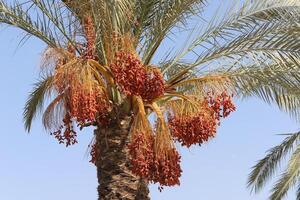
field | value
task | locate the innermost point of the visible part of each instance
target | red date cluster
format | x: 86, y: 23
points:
x: 66, y: 134
x: 129, y: 73
x: 85, y: 104
x: 189, y: 130
x: 142, y: 155
x: 153, y: 85
x: 221, y: 104
x: 157, y: 168
x: 88, y: 25
x: 200, y: 127
x: 166, y: 168
x: 83, y: 107
x: 135, y: 79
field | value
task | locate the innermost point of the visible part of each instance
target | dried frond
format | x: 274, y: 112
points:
x: 51, y: 57
x: 167, y: 168
x: 142, y: 141
x: 202, y: 85
x: 54, y: 113
x: 188, y: 106
x: 85, y: 95
x: 163, y: 138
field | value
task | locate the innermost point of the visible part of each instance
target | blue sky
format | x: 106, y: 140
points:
x: 35, y: 167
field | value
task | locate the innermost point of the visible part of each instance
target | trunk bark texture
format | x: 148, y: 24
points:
x: 116, y: 182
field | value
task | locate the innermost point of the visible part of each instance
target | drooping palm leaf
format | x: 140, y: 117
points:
x: 288, y: 178
x: 36, y: 100
x: 266, y: 167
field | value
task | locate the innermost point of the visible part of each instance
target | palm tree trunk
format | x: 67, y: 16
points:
x: 113, y: 167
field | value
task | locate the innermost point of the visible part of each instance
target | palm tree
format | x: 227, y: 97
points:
x: 267, y: 167
x: 99, y: 70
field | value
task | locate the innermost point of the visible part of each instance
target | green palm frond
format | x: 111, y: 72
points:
x: 111, y: 18
x: 63, y: 23
x: 266, y: 167
x: 246, y: 32
x: 159, y: 18
x: 272, y: 83
x: 258, y: 49
x: 45, y: 20
x: 36, y: 99
x: 288, y: 178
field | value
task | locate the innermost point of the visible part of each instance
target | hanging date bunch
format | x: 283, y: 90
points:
x: 134, y: 78
x: 193, y: 129
x: 66, y: 133
x: 142, y: 154
x: 198, y: 122
x: 84, y: 97
x: 90, y: 35
x: 129, y: 73
x: 166, y: 166
x: 221, y: 104
x: 153, y: 155
x: 155, y: 160
x: 141, y: 144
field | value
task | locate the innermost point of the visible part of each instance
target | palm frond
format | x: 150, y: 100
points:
x: 36, y: 100
x: 298, y: 192
x: 159, y: 18
x: 54, y: 113
x: 46, y: 20
x: 247, y: 31
x: 272, y: 83
x: 113, y: 19
x: 260, y: 56
x: 266, y: 167
x: 288, y: 178
x: 200, y: 86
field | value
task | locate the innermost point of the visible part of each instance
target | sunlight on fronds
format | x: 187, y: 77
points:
x: 216, y: 83
x: 112, y: 20
x: 273, y: 83
x: 183, y: 106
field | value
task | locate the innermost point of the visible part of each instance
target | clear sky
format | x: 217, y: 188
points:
x: 35, y: 167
